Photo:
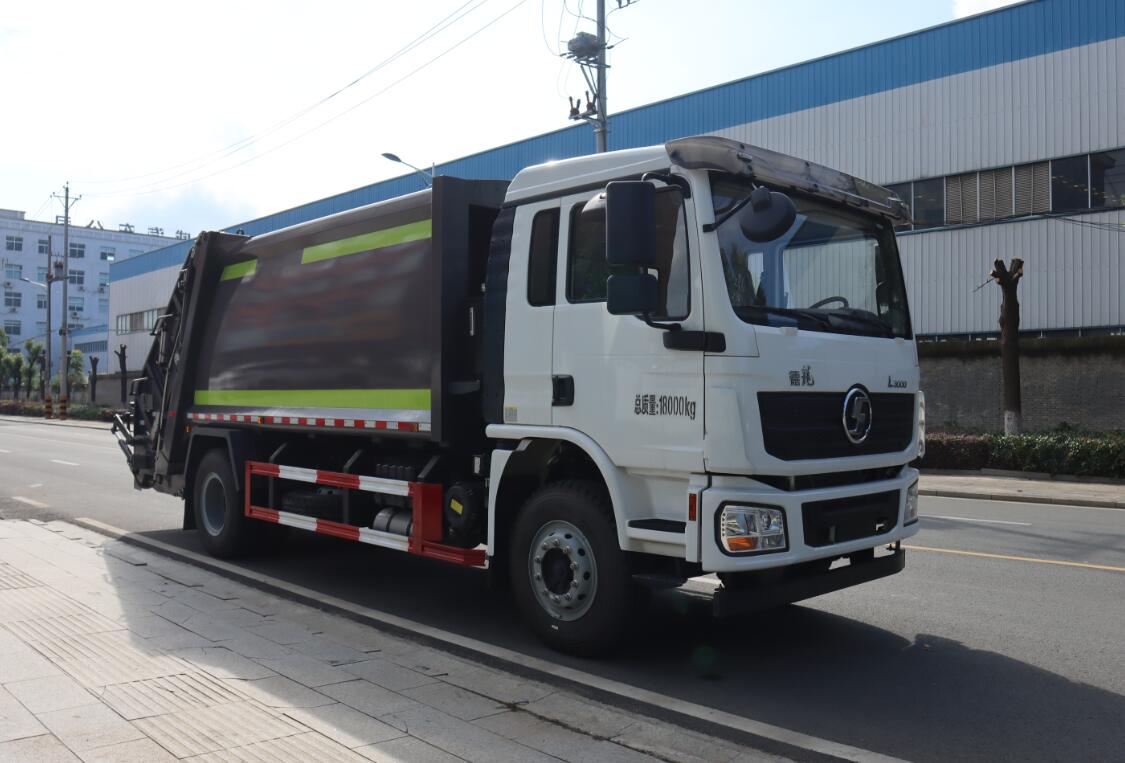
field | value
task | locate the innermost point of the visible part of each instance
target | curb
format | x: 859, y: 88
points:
x: 101, y: 426
x: 762, y: 737
x: 1092, y: 503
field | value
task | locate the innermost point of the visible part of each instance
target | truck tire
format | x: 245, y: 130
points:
x: 223, y: 528
x: 568, y: 574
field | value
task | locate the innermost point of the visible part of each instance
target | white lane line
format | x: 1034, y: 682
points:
x: 30, y: 502
x: 36, y: 484
x: 973, y: 519
x: 64, y: 463
x: 4, y: 451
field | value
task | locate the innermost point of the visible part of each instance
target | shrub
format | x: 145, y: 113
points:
x: 34, y: 408
x: 1066, y: 451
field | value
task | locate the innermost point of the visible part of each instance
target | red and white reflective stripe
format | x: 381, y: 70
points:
x: 325, y: 527
x: 306, y: 421
x: 334, y: 479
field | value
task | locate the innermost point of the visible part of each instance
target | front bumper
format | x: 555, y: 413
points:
x: 726, y: 490
x: 739, y: 601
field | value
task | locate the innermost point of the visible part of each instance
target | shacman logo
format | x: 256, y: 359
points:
x: 857, y: 415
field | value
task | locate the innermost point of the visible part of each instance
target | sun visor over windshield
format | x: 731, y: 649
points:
x: 782, y: 171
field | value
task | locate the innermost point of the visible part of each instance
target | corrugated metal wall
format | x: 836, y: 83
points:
x: 1030, y: 82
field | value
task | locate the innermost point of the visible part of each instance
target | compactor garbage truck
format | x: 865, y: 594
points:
x: 610, y: 374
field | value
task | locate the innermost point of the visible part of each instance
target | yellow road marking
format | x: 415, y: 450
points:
x: 1059, y: 562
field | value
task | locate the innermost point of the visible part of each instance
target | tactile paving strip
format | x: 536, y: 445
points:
x: 211, y: 729
x: 157, y: 696
x: 295, y: 749
x: 10, y: 578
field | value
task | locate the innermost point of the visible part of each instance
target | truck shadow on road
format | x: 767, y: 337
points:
x: 919, y: 697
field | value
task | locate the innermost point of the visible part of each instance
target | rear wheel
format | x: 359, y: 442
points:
x: 219, y: 517
x: 568, y: 573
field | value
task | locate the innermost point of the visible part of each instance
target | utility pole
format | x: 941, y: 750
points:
x: 601, y: 125
x: 588, y: 51
x: 64, y: 329
x: 48, y: 412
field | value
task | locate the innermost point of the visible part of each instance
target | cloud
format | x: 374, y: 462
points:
x: 963, y: 8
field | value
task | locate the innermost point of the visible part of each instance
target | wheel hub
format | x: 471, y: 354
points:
x: 563, y: 573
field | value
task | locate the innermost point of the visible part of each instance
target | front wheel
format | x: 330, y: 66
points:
x: 569, y: 575
x: 219, y: 518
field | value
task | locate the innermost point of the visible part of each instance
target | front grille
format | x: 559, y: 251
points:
x: 843, y: 519
x: 831, y: 479
x: 802, y: 425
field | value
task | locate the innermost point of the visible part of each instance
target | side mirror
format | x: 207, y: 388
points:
x: 768, y: 215
x: 630, y: 223
x: 632, y: 294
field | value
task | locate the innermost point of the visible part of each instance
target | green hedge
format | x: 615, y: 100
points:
x: 33, y: 408
x: 1088, y: 454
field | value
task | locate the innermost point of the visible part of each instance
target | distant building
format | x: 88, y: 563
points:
x: 1002, y: 132
x: 24, y: 248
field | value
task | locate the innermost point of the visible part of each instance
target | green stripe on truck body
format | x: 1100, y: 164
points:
x: 366, y: 242
x: 396, y: 399
x: 238, y: 270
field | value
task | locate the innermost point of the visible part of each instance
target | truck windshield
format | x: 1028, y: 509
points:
x: 833, y: 270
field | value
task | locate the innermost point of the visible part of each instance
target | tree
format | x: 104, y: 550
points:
x: 1009, y: 278
x: 3, y: 339
x: 76, y: 369
x: 34, y: 351
x: 5, y: 367
x: 15, y: 373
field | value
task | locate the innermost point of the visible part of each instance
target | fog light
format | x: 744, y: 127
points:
x: 752, y: 529
x: 910, y: 513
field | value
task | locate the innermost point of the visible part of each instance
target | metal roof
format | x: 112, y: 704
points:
x: 1008, y: 34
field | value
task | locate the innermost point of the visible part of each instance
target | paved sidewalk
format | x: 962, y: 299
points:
x: 56, y: 423
x: 112, y: 653
x: 993, y: 488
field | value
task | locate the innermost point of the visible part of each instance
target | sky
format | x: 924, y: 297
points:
x: 197, y: 116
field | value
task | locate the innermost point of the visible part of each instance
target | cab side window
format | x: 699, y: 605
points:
x: 587, y: 269
x: 542, y: 258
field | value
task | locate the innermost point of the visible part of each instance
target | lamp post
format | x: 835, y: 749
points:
x: 51, y: 278
x: 426, y: 176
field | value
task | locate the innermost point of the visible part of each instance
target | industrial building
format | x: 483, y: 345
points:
x: 1002, y: 131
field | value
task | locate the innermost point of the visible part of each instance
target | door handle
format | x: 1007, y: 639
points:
x: 562, y: 390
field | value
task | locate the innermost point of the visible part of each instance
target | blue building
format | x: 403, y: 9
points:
x: 1003, y: 131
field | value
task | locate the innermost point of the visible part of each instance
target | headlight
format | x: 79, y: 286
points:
x: 752, y: 529
x: 910, y: 513
x: 921, y: 423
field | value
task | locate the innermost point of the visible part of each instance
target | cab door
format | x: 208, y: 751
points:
x: 641, y: 402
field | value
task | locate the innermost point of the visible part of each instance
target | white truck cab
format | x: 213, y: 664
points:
x: 723, y: 333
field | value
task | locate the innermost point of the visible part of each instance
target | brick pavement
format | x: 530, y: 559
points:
x: 111, y: 653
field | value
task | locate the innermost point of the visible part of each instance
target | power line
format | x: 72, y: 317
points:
x: 318, y: 126
x: 205, y: 160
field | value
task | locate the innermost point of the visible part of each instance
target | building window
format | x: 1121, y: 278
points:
x: 103, y: 305
x: 1032, y: 189
x: 541, y: 263
x: 91, y: 347
x: 44, y: 246
x: 1107, y: 179
x: 77, y: 251
x: 41, y: 275
x: 76, y: 277
x: 76, y: 304
x: 13, y: 271
x: 109, y: 253
x: 995, y: 192
x: 103, y: 281
x: 40, y: 301
x: 1070, y: 184
x: 12, y: 299
x: 144, y: 320
x: 929, y: 206
x: 961, y: 199
x: 13, y: 243
x: 13, y: 328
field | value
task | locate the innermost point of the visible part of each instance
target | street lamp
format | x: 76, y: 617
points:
x: 426, y: 176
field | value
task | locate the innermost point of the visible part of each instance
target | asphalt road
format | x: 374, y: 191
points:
x: 979, y: 650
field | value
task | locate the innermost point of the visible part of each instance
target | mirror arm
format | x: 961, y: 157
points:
x: 709, y: 227
x: 647, y: 318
